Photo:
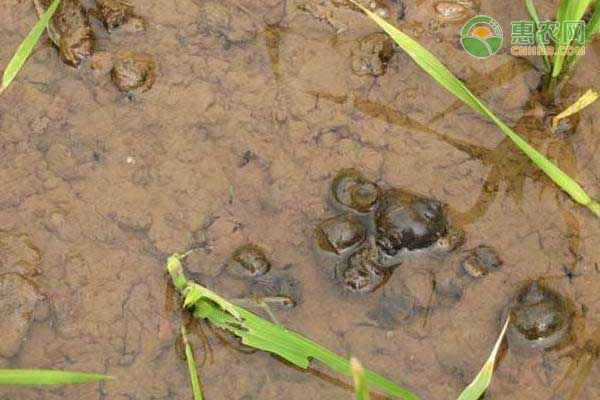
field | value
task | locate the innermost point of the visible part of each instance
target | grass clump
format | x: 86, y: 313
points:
x: 568, y: 11
x: 26, y: 47
x: 46, y: 377
x: 444, y: 77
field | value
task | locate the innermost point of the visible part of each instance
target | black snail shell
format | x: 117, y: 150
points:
x: 540, y: 318
x: 351, y: 190
x: 405, y: 221
x: 341, y: 233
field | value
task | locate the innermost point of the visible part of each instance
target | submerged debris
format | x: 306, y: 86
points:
x: 540, y: 318
x: 134, y: 72
x: 371, y: 54
x: 70, y: 30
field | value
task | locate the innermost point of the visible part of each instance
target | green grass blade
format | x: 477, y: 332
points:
x: 360, y: 383
x: 444, y: 77
x: 46, y: 377
x: 191, y: 362
x: 261, y: 334
x: 533, y: 15
x: 484, y: 377
x: 25, y: 49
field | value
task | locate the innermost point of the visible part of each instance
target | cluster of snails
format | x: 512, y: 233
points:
x: 361, y: 246
x: 375, y: 228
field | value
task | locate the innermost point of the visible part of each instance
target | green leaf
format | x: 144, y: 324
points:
x: 46, y: 377
x: 444, y: 77
x: 25, y: 49
x: 568, y: 10
x: 261, y: 334
x: 484, y: 377
x: 591, y: 28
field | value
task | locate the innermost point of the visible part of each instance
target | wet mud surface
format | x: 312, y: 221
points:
x: 255, y: 107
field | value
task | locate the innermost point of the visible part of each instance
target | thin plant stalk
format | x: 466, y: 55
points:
x: 26, y: 47
x: 443, y: 76
x: 191, y: 362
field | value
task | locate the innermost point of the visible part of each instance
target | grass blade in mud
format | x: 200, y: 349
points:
x: 46, y: 377
x: 191, y: 362
x: 484, y: 377
x: 26, y: 47
x: 261, y: 334
x: 444, y: 77
x: 360, y: 383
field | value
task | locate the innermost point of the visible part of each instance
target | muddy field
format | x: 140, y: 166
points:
x: 256, y: 106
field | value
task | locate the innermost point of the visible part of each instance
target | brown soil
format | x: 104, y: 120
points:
x: 254, y: 109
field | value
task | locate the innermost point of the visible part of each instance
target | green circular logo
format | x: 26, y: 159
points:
x: 481, y: 36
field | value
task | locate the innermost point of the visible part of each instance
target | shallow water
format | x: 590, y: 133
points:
x: 238, y: 142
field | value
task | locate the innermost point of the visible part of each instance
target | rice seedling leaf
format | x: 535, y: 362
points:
x: 484, y: 377
x: 26, y: 47
x: 444, y: 77
x: 585, y: 100
x: 261, y: 334
x: 568, y: 10
x: 533, y: 15
x: 360, y: 383
x: 593, y: 25
x: 46, y: 377
x: 191, y: 362
x: 591, y: 28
